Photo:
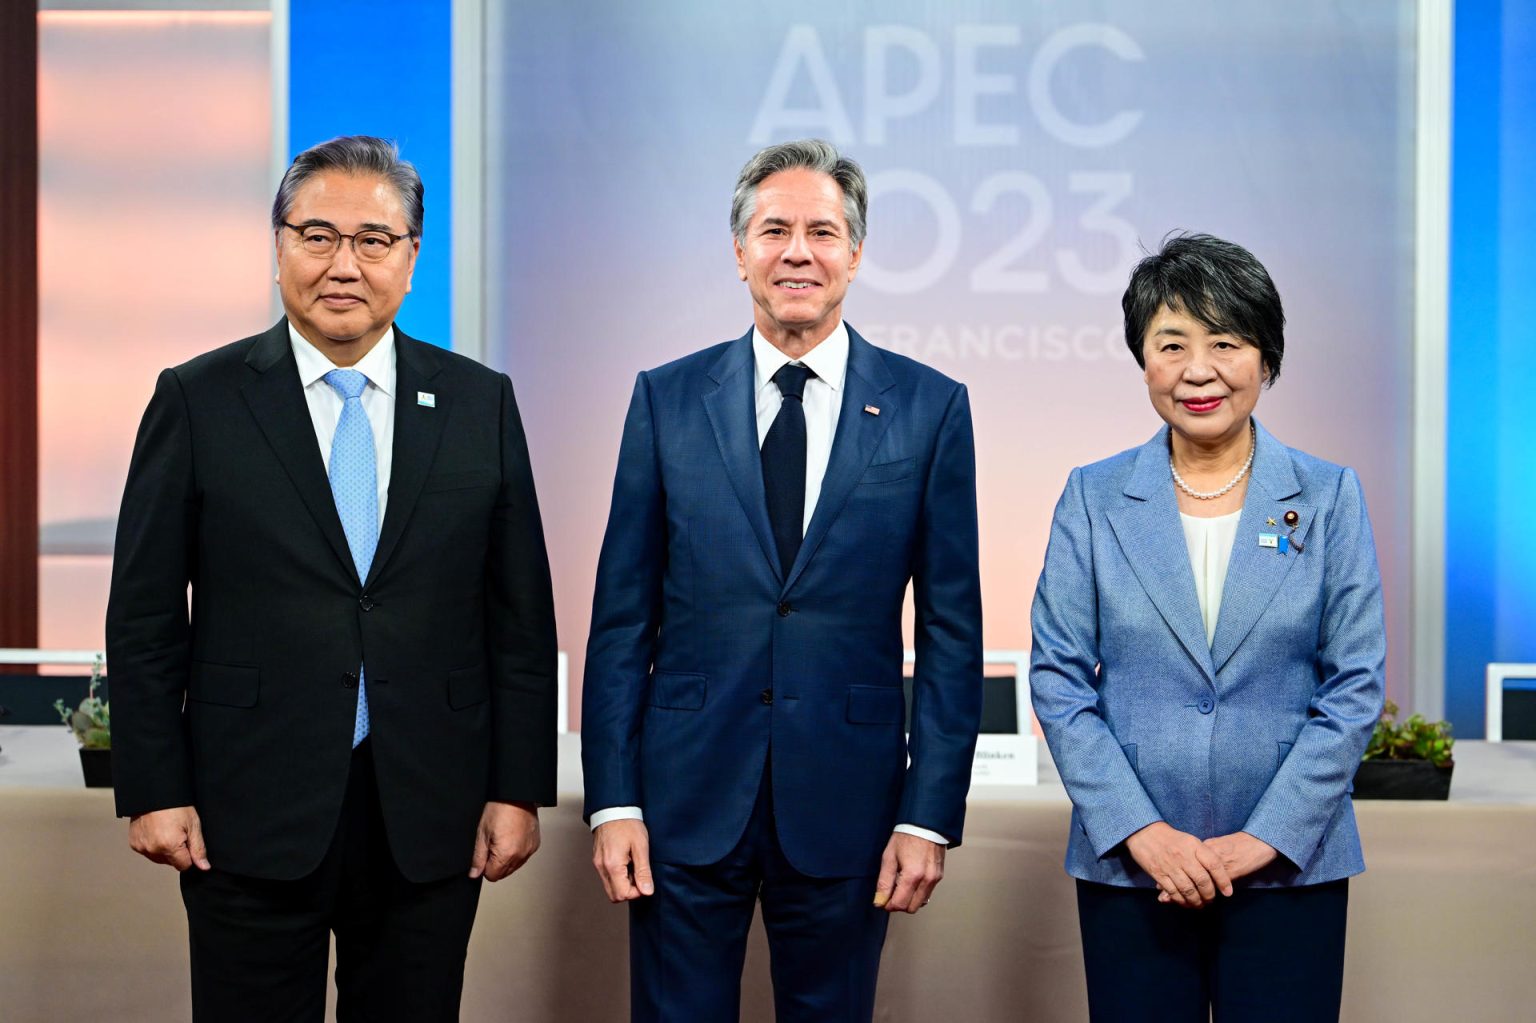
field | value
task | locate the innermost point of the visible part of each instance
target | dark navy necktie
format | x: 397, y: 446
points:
x: 784, y: 464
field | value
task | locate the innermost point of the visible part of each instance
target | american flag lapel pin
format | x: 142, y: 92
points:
x: 872, y: 410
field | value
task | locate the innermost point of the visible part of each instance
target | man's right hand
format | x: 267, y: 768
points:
x: 173, y: 836
x: 621, y: 853
x: 1185, y: 869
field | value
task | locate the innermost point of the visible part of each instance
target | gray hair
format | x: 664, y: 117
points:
x: 354, y: 154
x: 807, y: 154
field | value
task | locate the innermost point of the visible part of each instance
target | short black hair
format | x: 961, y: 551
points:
x: 1219, y: 283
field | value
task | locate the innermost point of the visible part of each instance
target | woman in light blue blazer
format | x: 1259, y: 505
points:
x: 1208, y: 660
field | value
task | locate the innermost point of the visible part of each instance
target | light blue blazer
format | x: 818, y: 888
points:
x: 1260, y: 730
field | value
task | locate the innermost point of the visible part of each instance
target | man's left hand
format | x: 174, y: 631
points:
x: 508, y: 835
x: 909, y: 870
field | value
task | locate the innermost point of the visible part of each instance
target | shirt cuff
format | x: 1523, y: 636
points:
x: 907, y: 829
x: 615, y: 813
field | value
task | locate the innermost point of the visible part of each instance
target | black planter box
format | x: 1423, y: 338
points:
x: 97, y: 767
x: 1402, y: 779
x: 29, y: 698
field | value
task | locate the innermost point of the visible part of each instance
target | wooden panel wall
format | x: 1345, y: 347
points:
x: 18, y: 323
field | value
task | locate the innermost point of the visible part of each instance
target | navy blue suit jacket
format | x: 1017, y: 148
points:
x: 1260, y: 730
x: 693, y: 624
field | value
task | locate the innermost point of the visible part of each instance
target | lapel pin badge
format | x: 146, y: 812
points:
x: 426, y: 399
x: 1293, y: 520
x: 1283, y: 544
x: 1275, y: 541
x: 872, y: 410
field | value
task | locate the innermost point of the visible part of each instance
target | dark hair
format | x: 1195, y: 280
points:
x: 807, y: 154
x: 1217, y: 282
x: 354, y: 154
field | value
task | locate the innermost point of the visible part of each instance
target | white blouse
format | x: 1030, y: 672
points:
x: 1210, y: 550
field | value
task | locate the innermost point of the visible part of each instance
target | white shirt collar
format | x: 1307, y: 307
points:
x: 378, y: 365
x: 828, y: 360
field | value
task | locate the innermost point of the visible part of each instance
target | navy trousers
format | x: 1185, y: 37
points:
x: 688, y: 941
x: 1264, y: 954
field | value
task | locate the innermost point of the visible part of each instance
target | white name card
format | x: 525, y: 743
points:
x: 1006, y: 760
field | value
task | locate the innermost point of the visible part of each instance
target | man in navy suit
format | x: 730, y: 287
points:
x: 744, y: 724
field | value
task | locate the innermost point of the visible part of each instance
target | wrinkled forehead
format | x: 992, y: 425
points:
x: 348, y: 200
x: 800, y: 195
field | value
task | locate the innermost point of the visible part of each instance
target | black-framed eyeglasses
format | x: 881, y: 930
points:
x: 322, y: 241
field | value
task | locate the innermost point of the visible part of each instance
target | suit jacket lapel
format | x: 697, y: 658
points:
x: 418, y: 429
x: 867, y: 382
x: 1148, y: 529
x: 1255, y: 573
x: 732, y: 411
x: 276, y: 400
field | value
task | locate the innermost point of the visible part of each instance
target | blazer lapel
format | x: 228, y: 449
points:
x: 418, y: 430
x: 853, y: 446
x: 1148, y: 529
x: 276, y: 400
x: 1255, y: 573
x: 732, y: 411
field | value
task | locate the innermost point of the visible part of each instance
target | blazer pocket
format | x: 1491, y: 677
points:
x: 876, y: 705
x: 228, y: 685
x: 460, y: 480
x: 467, y: 687
x: 676, y: 690
x: 1131, y: 754
x: 890, y: 472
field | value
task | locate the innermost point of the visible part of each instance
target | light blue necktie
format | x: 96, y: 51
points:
x: 355, y: 487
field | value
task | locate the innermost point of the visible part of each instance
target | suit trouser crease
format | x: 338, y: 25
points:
x: 259, y: 947
x: 688, y: 941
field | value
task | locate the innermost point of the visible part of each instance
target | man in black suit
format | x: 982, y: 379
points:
x: 355, y: 723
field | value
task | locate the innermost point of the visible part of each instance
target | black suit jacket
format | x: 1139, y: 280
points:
x: 244, y: 707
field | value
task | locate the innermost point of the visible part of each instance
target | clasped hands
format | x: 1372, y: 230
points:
x: 507, y: 835
x: 910, y: 868
x: 1190, y: 872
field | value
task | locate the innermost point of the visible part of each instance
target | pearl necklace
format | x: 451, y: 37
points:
x: 1212, y: 495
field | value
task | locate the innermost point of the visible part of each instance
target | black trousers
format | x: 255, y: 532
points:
x: 260, y: 947
x: 1264, y: 954
x: 687, y: 942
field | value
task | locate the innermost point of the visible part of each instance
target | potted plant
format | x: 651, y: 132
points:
x: 1406, y: 760
x: 92, y: 724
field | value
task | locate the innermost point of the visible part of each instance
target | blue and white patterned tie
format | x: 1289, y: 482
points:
x: 355, y: 487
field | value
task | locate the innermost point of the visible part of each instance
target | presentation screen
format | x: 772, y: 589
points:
x: 1021, y: 158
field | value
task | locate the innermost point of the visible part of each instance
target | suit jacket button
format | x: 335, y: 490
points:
x: 767, y: 696
x: 784, y: 609
x: 365, y: 602
x: 1207, y: 705
x: 349, y: 680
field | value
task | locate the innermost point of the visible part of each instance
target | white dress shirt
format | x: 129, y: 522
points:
x: 823, y: 400
x: 1210, y: 551
x: 378, y: 400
